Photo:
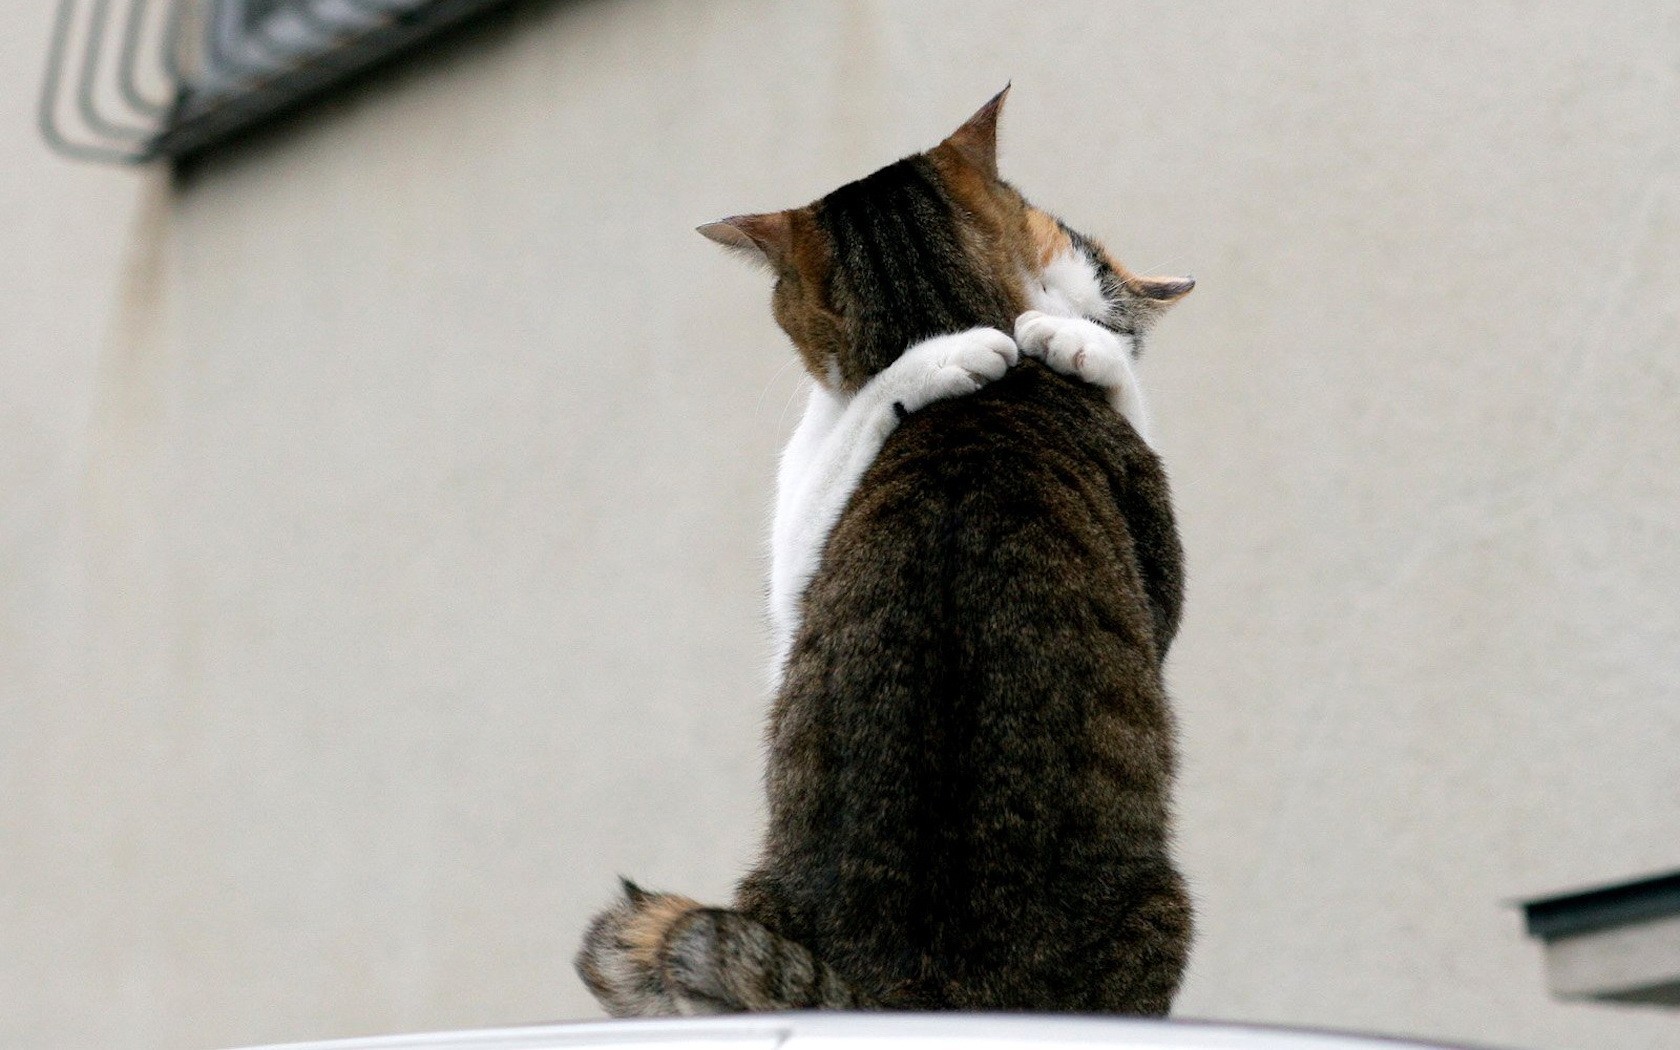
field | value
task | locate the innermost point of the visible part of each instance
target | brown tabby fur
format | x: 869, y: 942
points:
x: 972, y: 750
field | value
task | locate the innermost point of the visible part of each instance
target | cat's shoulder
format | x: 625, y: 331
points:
x: 1031, y: 416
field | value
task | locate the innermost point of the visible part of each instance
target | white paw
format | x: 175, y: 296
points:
x: 1089, y: 352
x: 949, y: 366
x: 1076, y: 347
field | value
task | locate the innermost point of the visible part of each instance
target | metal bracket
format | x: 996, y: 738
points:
x: 165, y: 78
x: 94, y: 107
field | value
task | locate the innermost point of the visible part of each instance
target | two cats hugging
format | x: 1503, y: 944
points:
x: 976, y: 576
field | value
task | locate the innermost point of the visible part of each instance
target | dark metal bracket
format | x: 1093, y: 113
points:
x: 1603, y: 907
x: 130, y: 81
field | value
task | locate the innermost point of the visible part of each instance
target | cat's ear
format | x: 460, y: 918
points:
x: 1163, y: 290
x: 976, y: 141
x: 1153, y: 295
x: 766, y: 238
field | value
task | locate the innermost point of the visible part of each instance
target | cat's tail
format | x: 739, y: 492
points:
x: 660, y: 955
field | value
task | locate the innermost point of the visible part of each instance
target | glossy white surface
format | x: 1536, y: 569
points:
x: 818, y: 1031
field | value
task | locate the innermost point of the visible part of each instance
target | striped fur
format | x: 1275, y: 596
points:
x: 971, y: 752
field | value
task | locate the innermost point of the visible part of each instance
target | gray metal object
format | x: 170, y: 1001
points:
x: 131, y: 81
x: 1618, y: 943
x: 878, y: 1031
x: 93, y: 105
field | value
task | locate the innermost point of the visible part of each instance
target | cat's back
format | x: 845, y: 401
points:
x: 971, y: 750
x: 1033, y: 489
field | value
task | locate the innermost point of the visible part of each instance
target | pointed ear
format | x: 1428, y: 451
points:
x: 766, y: 238
x: 976, y: 140
x: 1163, y: 291
x: 1153, y: 295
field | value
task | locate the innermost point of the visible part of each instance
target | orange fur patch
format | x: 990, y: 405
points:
x: 1049, y: 239
x: 995, y: 219
x: 644, y: 935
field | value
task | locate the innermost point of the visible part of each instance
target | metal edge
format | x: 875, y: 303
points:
x: 1603, y: 908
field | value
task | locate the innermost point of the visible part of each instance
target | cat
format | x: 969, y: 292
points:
x: 976, y: 576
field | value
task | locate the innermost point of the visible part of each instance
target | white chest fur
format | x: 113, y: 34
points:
x: 839, y: 436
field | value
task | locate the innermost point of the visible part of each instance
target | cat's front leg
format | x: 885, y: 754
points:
x: 1087, y: 351
x: 942, y: 367
x: 827, y: 458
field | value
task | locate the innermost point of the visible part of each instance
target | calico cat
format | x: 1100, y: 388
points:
x: 976, y: 578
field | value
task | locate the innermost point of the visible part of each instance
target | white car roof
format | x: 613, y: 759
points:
x: 876, y: 1031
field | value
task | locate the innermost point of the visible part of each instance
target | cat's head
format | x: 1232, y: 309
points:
x: 933, y: 244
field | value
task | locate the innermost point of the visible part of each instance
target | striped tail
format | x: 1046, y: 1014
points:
x: 661, y: 955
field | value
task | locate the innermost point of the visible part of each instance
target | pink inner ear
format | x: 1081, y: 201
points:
x: 727, y: 235
x: 1166, y: 287
x: 769, y: 235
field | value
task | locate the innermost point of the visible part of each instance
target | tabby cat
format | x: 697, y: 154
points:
x: 976, y: 576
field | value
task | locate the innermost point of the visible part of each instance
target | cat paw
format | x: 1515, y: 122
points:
x: 949, y: 366
x: 622, y: 960
x: 1076, y: 347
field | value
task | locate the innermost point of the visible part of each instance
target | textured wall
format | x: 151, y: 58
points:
x: 382, y: 499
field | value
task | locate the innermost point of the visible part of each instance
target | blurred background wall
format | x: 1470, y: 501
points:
x: 381, y: 497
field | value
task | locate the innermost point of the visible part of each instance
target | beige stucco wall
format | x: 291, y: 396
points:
x: 381, y: 509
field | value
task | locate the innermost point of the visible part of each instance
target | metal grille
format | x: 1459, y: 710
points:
x: 135, y: 80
